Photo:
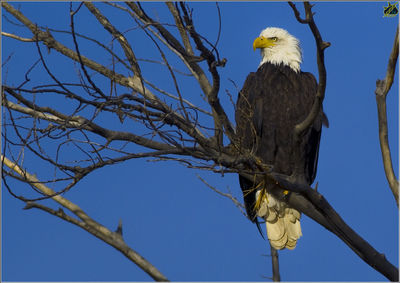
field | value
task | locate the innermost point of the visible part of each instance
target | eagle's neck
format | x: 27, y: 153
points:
x: 288, y: 54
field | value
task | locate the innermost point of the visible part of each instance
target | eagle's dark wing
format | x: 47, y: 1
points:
x: 272, y: 101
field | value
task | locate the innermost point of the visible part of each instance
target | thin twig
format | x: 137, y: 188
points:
x: 229, y: 196
x: 20, y: 38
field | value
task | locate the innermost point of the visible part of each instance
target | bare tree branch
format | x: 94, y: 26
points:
x: 381, y: 91
x: 79, y: 122
x: 118, y: 35
x: 86, y: 222
x: 321, y: 46
x: 23, y: 39
x: 315, y: 206
x: 276, y: 277
x: 179, y: 23
x: 227, y: 195
x: 50, y: 42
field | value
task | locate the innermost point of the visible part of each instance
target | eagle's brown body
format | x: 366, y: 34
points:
x: 272, y: 101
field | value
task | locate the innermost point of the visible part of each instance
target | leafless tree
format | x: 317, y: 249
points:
x: 148, y: 120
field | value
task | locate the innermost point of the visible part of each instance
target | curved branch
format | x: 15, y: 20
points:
x: 381, y: 91
x: 315, y: 206
x: 87, y: 223
x: 211, y: 91
x: 321, y: 46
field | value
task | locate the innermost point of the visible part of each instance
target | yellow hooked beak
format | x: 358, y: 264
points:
x: 262, y: 42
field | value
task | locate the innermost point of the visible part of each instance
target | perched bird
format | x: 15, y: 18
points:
x: 272, y: 102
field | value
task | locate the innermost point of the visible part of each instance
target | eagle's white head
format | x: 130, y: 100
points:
x: 278, y: 46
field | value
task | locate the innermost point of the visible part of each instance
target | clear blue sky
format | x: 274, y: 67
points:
x: 186, y: 230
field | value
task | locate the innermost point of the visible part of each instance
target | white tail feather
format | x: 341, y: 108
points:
x: 283, y: 222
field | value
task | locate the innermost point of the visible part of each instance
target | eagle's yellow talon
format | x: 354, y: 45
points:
x: 260, y: 199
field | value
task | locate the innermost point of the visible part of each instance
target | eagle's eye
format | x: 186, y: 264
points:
x: 273, y: 38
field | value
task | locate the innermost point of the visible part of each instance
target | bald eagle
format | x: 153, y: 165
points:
x: 272, y: 101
